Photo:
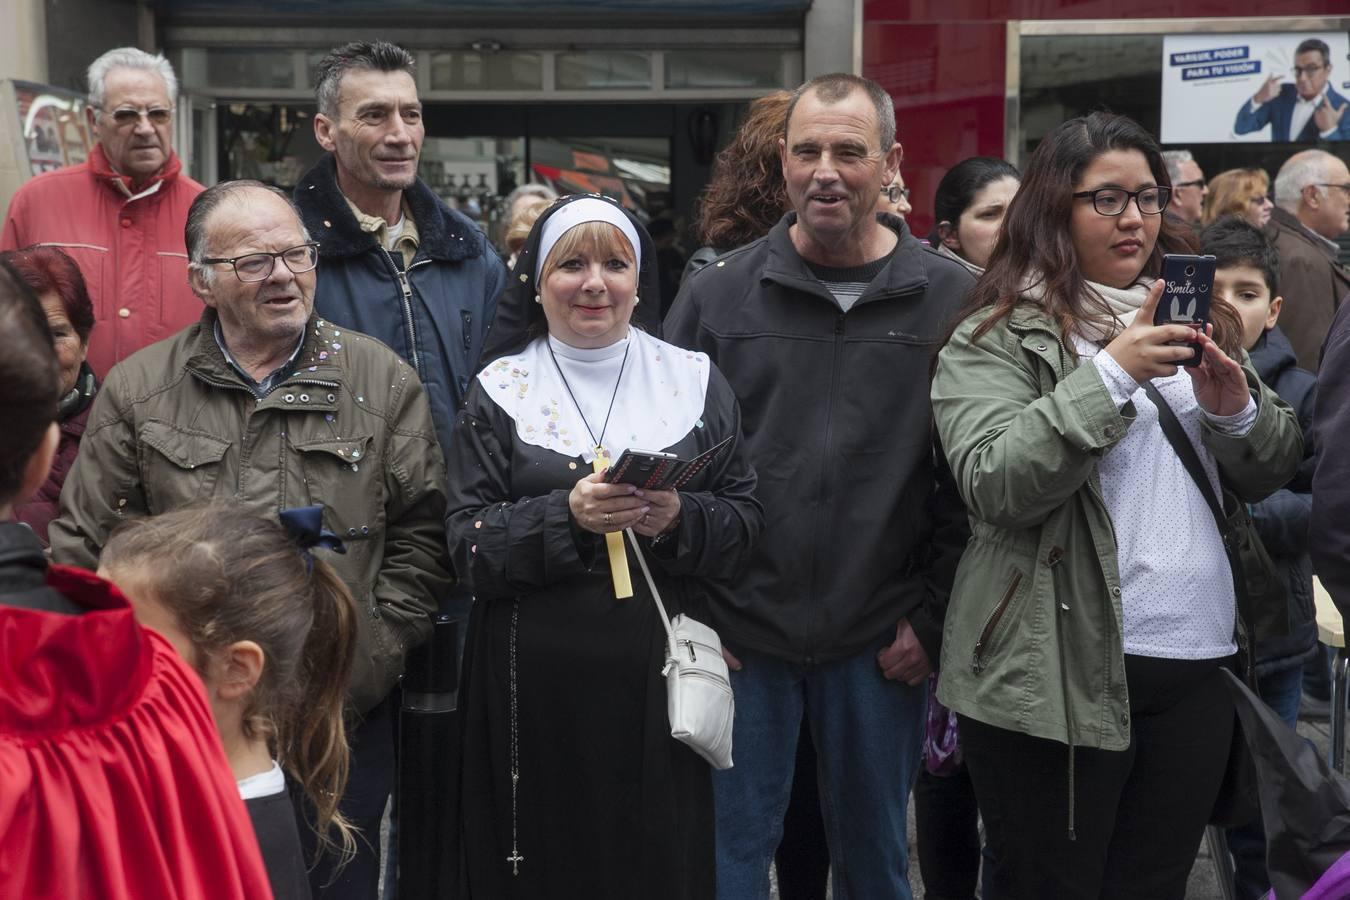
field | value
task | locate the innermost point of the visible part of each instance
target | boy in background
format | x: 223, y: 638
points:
x: 1246, y: 277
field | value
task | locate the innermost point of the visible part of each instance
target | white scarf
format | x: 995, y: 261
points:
x: 1123, y: 303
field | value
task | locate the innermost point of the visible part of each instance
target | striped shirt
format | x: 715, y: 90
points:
x: 847, y: 283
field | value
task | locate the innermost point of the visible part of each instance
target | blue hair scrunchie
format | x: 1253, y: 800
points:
x: 304, y: 526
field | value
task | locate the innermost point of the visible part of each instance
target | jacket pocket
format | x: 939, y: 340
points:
x: 339, y: 476
x: 184, y: 467
x: 996, y: 625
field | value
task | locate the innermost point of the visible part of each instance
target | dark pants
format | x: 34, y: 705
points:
x: 1140, y: 812
x: 369, y: 783
x: 946, y: 819
x: 803, y: 857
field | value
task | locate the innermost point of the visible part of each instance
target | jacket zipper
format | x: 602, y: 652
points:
x: 406, y: 288
x: 826, y: 455
x: 977, y: 658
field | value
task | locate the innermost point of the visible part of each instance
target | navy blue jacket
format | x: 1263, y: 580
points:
x: 1279, y: 114
x: 1282, y: 519
x: 436, y: 314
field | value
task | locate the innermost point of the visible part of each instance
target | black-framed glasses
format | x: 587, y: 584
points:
x: 1345, y: 186
x: 1261, y: 199
x: 894, y: 193
x: 1112, y: 201
x: 1196, y: 183
x: 254, y: 267
x: 1310, y: 71
x: 126, y: 116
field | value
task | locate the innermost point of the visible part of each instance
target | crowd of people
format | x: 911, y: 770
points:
x: 958, y: 517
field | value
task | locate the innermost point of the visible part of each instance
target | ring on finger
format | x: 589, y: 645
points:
x: 609, y: 518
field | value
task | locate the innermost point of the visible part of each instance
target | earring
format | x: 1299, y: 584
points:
x: 637, y: 300
x: 536, y: 299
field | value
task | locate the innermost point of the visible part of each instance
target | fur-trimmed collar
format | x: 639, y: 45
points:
x: 443, y: 234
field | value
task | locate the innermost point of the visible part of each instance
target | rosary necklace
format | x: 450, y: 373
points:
x: 515, y: 859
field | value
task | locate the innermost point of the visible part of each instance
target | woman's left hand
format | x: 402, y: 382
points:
x: 1219, y: 383
x: 664, y: 514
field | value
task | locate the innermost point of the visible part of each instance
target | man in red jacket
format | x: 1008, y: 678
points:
x: 121, y: 213
x: 113, y: 783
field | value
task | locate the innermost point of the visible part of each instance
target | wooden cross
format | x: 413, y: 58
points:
x: 515, y: 859
x: 618, y: 558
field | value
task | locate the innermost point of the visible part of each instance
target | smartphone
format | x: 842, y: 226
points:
x: 1188, y: 285
x: 644, y: 468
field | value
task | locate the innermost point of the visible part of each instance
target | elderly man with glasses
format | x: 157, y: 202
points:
x: 120, y: 213
x: 265, y: 405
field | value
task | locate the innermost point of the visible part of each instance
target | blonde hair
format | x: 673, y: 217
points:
x: 228, y: 575
x: 1230, y: 191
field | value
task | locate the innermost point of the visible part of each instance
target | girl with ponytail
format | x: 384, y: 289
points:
x: 271, y: 630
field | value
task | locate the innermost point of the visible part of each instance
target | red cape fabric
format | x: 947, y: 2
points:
x: 113, y: 782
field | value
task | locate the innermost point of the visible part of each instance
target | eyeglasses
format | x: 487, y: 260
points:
x: 254, y: 267
x: 894, y: 193
x: 1197, y: 183
x: 1260, y: 199
x: 126, y: 116
x: 1310, y: 71
x: 1112, y: 201
x: 1344, y: 187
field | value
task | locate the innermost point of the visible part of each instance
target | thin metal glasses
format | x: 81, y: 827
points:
x: 1112, y: 201
x: 254, y: 267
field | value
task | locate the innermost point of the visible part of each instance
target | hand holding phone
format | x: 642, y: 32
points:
x: 1188, y: 283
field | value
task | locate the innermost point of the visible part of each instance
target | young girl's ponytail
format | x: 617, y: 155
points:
x: 314, y: 741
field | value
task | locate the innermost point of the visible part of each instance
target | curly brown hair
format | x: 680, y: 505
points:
x: 747, y: 196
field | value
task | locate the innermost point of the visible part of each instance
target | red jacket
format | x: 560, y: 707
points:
x: 113, y: 783
x: 130, y: 251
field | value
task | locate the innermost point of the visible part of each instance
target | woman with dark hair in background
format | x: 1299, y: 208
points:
x: 969, y: 207
x: 56, y: 280
x: 971, y: 201
x: 746, y: 195
x: 1093, y: 611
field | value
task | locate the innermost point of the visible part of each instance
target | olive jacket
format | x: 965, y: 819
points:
x: 1033, y: 639
x: 350, y: 429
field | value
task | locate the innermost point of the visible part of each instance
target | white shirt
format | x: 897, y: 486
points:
x: 264, y: 784
x: 1303, y: 111
x: 1176, y: 583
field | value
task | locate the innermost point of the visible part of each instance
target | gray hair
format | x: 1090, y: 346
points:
x: 1299, y: 171
x: 128, y: 58
x: 1173, y: 160
x: 194, y: 232
x: 542, y: 191
x: 378, y: 56
x: 836, y: 87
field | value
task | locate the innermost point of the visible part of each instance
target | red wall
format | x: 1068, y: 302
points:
x: 943, y: 62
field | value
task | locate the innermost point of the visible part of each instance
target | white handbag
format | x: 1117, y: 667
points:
x: 699, y: 702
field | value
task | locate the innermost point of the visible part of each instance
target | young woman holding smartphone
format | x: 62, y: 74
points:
x: 1093, y: 610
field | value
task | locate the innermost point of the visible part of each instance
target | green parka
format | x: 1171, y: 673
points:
x: 349, y: 429
x: 1033, y: 639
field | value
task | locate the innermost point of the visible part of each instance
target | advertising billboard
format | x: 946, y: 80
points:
x: 1285, y: 87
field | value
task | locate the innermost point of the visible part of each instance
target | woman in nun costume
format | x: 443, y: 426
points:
x: 571, y: 783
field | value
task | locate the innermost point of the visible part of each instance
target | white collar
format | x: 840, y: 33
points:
x: 658, y: 401
x: 1299, y: 101
x: 264, y: 784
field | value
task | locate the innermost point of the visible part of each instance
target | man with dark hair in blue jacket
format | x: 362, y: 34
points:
x: 398, y: 264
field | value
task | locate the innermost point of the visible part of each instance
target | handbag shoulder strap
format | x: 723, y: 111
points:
x: 1176, y: 436
x: 1190, y: 460
x: 651, y: 584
